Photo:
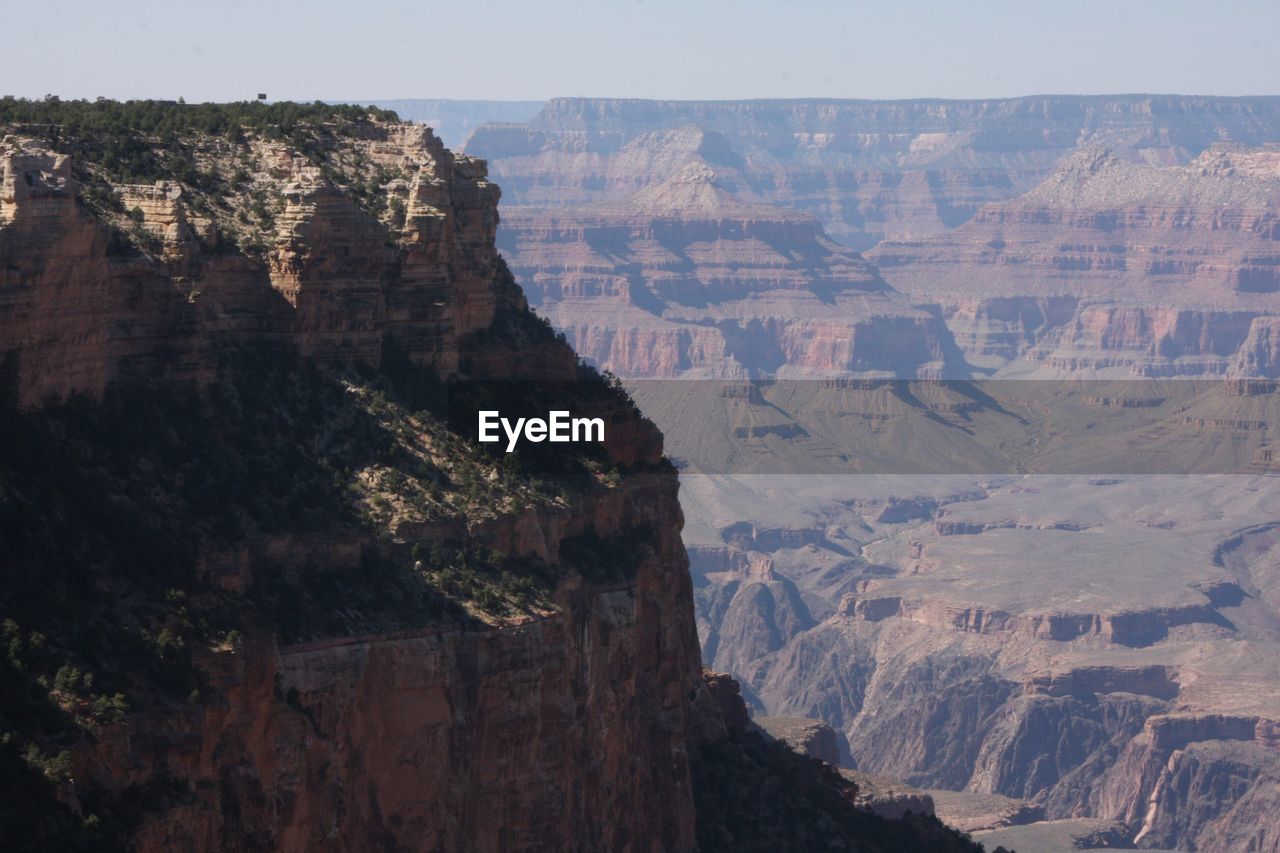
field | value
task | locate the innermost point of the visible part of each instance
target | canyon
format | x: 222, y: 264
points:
x: 263, y: 592
x: 973, y: 404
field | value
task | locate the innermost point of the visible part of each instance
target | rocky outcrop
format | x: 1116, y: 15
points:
x: 238, y: 491
x: 758, y: 793
x: 329, y: 284
x: 891, y: 799
x: 727, y: 694
x: 813, y: 738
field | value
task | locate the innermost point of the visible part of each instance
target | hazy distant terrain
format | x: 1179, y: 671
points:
x: 1053, y: 595
x: 454, y: 120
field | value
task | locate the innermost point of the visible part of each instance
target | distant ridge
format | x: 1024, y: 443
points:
x: 454, y: 120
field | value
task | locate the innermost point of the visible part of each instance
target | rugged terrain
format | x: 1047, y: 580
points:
x: 1068, y: 236
x: 685, y: 280
x: 1094, y: 647
x: 1112, y: 268
x: 867, y: 170
x: 263, y: 590
x: 1048, y: 607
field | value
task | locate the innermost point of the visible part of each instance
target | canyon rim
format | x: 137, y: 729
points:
x: 653, y: 426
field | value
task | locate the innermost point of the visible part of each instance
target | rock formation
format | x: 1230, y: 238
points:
x: 1113, y: 268
x: 683, y: 279
x: 1020, y: 639
x: 262, y: 589
x: 813, y: 738
x: 867, y: 170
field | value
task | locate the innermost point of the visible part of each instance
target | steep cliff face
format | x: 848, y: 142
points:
x: 513, y: 717
x: 460, y: 735
x: 263, y: 588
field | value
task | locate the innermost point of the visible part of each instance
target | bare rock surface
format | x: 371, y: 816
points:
x: 1112, y: 268
x: 813, y: 738
x: 1136, y: 695
x: 893, y: 799
x: 685, y: 279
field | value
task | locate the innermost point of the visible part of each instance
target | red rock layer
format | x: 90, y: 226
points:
x: 868, y: 170
x: 683, y: 279
x: 1114, y: 267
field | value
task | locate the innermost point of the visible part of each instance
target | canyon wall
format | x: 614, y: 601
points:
x: 468, y: 734
x: 1009, y: 645
x: 1107, y: 659
x: 264, y: 590
x: 1110, y: 268
x: 868, y: 170
x: 684, y: 280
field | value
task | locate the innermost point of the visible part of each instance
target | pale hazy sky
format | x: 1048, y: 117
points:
x: 503, y: 49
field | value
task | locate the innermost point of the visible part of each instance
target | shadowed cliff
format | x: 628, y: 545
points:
x: 262, y: 588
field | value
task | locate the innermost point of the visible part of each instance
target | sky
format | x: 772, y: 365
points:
x: 696, y: 49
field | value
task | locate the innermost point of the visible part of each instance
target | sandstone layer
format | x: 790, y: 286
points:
x: 685, y: 280
x: 1112, y: 268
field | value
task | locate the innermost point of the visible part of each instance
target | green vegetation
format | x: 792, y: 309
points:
x: 220, y: 155
x: 120, y: 136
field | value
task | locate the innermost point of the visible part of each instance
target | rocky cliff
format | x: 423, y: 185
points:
x: 263, y: 589
x: 502, y: 725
